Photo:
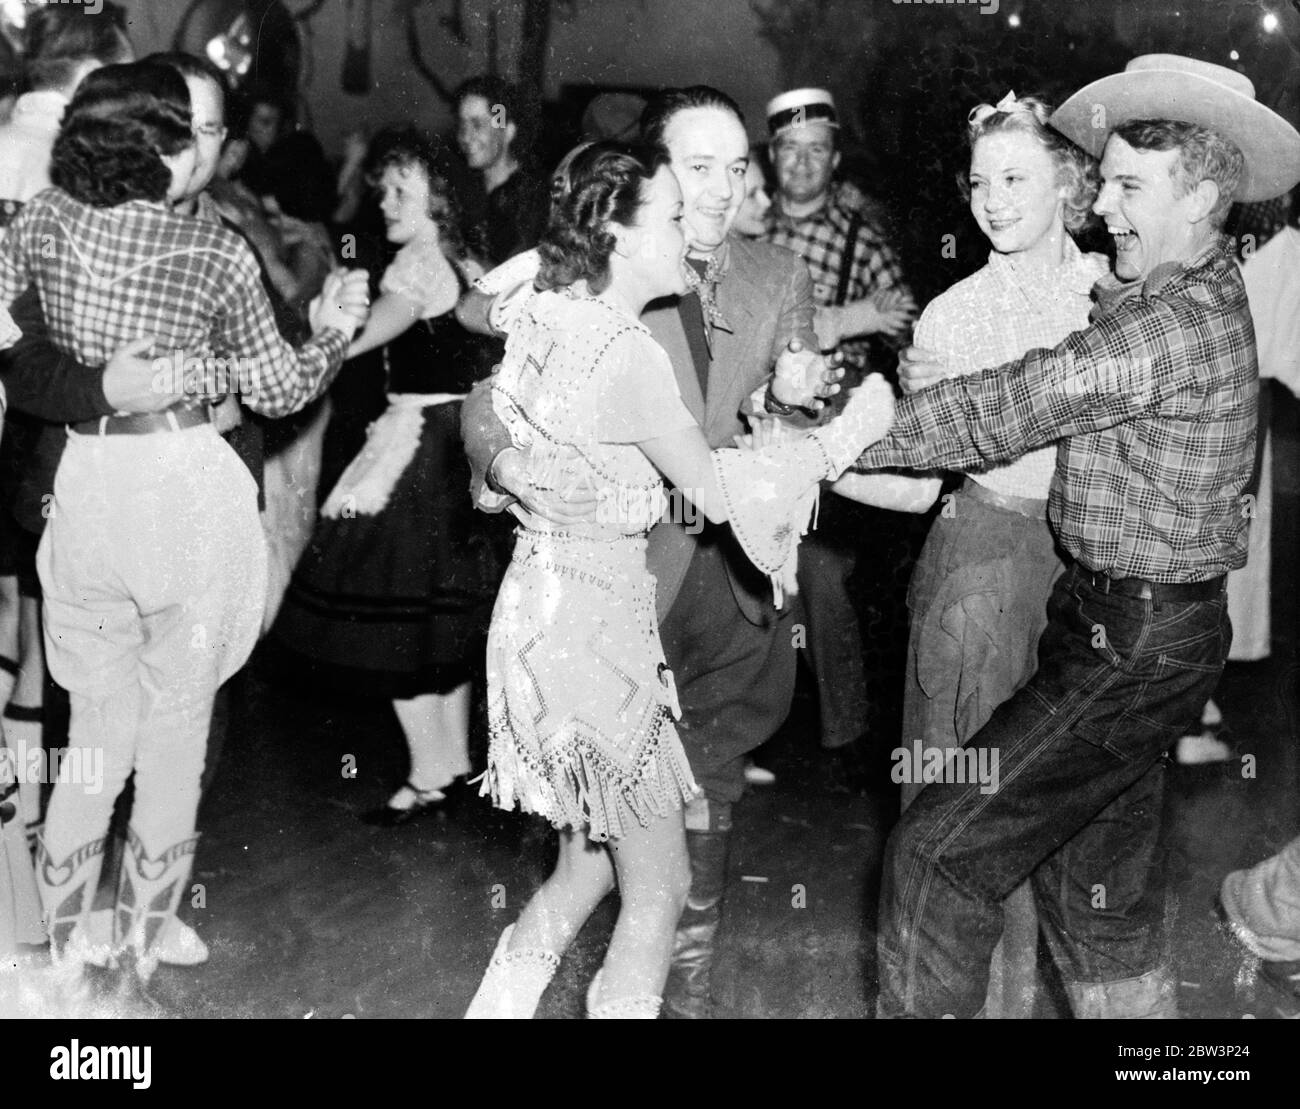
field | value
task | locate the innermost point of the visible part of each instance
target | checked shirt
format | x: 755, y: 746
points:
x: 109, y: 275
x: 820, y: 240
x: 1155, y: 409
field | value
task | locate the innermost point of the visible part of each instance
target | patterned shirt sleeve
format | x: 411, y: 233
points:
x: 875, y: 264
x: 15, y: 274
x: 1112, y: 372
x: 275, y: 379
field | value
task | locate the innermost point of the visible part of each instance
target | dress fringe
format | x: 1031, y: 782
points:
x: 580, y: 788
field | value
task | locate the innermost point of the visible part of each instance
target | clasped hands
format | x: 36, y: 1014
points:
x: 132, y: 382
x: 806, y: 378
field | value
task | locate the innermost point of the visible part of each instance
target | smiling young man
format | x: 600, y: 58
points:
x: 489, y: 118
x: 1154, y: 410
x: 746, y: 322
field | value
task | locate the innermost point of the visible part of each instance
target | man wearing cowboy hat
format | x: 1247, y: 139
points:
x: 1153, y: 408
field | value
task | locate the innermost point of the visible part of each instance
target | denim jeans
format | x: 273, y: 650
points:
x: 1081, y: 752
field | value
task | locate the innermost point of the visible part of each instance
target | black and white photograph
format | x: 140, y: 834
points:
x: 650, y: 509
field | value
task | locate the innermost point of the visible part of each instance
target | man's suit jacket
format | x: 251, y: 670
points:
x: 766, y: 297
x: 765, y: 294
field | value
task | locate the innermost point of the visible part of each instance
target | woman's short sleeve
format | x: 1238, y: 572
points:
x: 422, y: 274
x: 637, y: 397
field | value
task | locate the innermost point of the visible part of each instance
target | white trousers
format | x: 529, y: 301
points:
x: 153, y: 565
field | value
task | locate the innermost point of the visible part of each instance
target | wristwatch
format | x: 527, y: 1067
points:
x: 774, y: 406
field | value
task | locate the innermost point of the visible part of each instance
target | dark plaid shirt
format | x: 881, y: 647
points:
x: 109, y: 275
x: 1158, y: 401
x: 820, y: 240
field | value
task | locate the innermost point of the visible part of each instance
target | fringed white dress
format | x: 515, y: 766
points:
x: 580, y: 702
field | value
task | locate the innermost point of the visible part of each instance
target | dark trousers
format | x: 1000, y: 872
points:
x: 1080, y: 757
x: 827, y: 558
x: 735, y: 680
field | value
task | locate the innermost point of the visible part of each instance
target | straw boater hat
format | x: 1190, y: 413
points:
x: 1169, y: 86
x: 800, y: 106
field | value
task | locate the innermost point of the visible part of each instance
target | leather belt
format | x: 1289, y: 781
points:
x: 1030, y: 507
x: 1209, y: 590
x: 146, y: 423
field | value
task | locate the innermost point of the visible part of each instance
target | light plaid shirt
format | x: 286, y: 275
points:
x: 1008, y: 307
x: 820, y: 239
x: 1158, y: 401
x: 108, y: 275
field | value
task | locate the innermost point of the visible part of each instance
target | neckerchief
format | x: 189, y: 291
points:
x: 706, y: 288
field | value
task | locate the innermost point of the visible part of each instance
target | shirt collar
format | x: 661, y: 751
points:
x: 1036, y: 280
x: 822, y: 214
x: 1110, y: 291
x: 205, y: 208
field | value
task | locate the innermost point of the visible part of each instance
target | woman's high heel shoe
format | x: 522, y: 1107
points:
x: 426, y: 801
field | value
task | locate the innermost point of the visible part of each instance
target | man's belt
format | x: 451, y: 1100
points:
x: 1022, y: 506
x: 146, y: 423
x: 1175, y: 592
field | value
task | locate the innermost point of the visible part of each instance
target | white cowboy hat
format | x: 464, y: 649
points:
x: 1169, y: 86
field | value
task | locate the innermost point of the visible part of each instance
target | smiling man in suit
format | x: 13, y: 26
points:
x: 746, y: 322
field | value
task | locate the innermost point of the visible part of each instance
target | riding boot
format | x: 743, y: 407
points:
x: 688, y: 992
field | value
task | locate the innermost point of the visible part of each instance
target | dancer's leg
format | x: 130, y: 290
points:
x: 654, y: 877
x: 582, y: 877
x: 437, y: 733
x: 528, y: 952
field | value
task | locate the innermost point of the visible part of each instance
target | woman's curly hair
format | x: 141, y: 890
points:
x: 122, y: 120
x: 406, y: 147
x: 1075, y: 168
x: 596, y: 184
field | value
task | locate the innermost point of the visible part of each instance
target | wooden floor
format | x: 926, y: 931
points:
x: 308, y: 912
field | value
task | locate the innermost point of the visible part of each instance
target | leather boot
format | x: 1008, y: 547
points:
x: 688, y: 992
x: 513, y: 983
x: 67, y: 892
x: 644, y: 1007
x: 148, y: 895
x: 1151, y: 996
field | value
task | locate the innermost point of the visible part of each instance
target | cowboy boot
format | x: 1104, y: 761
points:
x: 645, y: 1007
x: 67, y: 891
x: 148, y: 895
x: 687, y: 995
x: 513, y: 983
x: 1150, y: 996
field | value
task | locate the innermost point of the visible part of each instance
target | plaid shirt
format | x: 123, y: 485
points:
x: 108, y: 275
x: 820, y: 239
x: 1155, y: 407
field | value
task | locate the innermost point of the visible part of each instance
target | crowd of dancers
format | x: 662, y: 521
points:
x: 665, y: 380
